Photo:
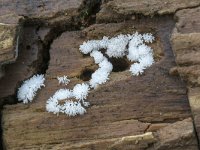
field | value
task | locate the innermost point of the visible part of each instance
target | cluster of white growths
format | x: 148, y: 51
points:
x: 132, y: 46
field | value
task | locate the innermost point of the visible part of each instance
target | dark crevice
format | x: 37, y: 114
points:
x: 195, y: 130
x: 188, y: 7
x: 41, y: 64
x: 26, y: 52
x: 120, y: 64
x: 88, y: 11
x: 167, y: 120
x: 86, y: 18
x: 165, y: 38
x: 43, y: 57
x: 147, y: 128
x: 86, y: 74
x: 28, y: 47
x: 9, y: 100
x: 2, y: 146
x: 45, y: 45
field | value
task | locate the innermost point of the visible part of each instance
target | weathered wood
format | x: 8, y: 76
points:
x: 24, y: 67
x: 149, y: 112
x: 118, y: 10
x: 188, y: 20
x: 125, y: 106
x: 13, y: 15
x: 27, y: 44
x: 186, y: 46
x: 177, y: 136
x: 12, y: 10
x: 8, y: 44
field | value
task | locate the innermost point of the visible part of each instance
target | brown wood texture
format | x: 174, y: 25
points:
x: 158, y: 110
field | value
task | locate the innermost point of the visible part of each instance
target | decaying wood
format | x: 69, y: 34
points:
x: 153, y: 111
x: 186, y: 46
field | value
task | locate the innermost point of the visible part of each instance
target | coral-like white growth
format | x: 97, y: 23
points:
x: 137, y: 52
x: 134, y: 47
x: 89, y: 46
x: 80, y: 91
x: 28, y: 90
x: 106, y: 66
x: 133, y: 54
x: 103, y: 44
x: 63, y: 80
x: 63, y: 94
x: 98, y: 56
x: 146, y: 61
x: 71, y: 108
x: 144, y: 50
x: 100, y: 76
x: 148, y: 37
x: 53, y: 105
x: 140, y: 52
x: 117, y: 46
x: 137, y: 69
x: 136, y: 40
x: 86, y: 104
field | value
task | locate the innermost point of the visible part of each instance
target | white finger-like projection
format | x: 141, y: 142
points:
x: 132, y: 46
x: 63, y: 80
x: 28, y: 89
x: 70, y: 107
